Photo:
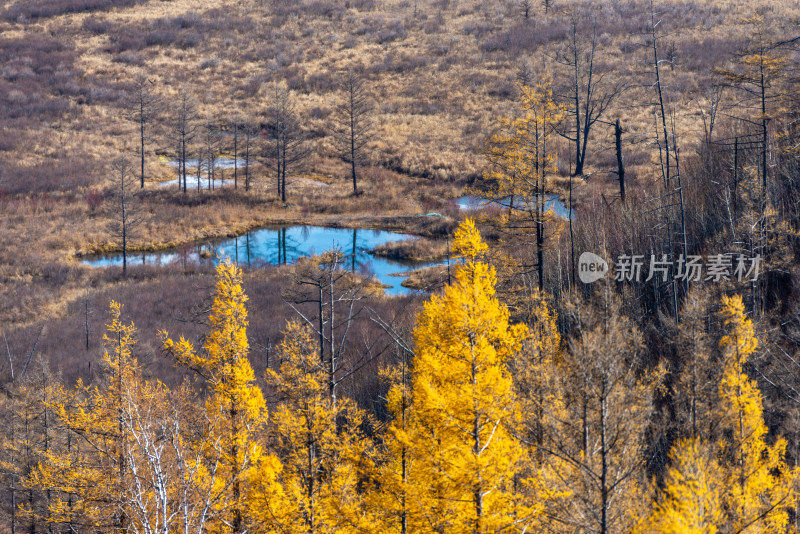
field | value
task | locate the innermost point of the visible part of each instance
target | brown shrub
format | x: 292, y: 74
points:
x: 24, y: 10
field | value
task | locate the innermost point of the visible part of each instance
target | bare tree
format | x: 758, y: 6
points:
x: 669, y: 163
x: 663, y: 150
x: 236, y: 131
x: 355, y: 121
x: 526, y: 5
x: 287, y: 142
x: 143, y: 109
x: 184, y: 130
x: 86, y: 314
x: 213, y: 142
x: 202, y: 164
x: 525, y: 74
x: 590, y: 93
x: 125, y: 206
x: 235, y: 127
x: 620, y: 164
x: 250, y: 133
x: 759, y: 72
x: 326, y: 296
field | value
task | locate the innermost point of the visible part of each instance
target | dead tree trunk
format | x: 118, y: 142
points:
x: 620, y: 165
x: 355, y: 124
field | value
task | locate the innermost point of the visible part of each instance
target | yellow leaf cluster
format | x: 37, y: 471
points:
x: 453, y: 459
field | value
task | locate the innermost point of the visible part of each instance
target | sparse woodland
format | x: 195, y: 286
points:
x: 505, y: 395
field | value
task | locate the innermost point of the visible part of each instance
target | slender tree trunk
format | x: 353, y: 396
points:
x: 476, y: 451
x: 684, y: 244
x: 353, y: 144
x: 620, y: 165
x: 666, y: 169
x: 236, y: 525
x: 573, y: 280
x: 735, y: 178
x: 321, y: 326
x: 247, y: 162
x: 539, y: 199
x: 604, y: 493
x: 576, y: 89
x: 141, y: 137
x: 86, y: 318
x: 184, y: 165
x: 278, y: 163
x: 540, y: 244
x: 404, y: 463
x: 124, y: 236
x: 763, y: 133
x: 587, y: 118
x: 332, y: 342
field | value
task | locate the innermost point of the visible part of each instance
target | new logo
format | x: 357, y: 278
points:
x: 591, y: 267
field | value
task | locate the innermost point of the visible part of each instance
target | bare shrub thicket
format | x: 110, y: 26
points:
x: 35, y: 9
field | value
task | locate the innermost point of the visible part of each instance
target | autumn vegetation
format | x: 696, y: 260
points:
x: 505, y: 394
x: 488, y: 426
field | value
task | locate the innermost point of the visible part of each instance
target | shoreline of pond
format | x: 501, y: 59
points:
x: 416, y: 225
x: 284, y: 245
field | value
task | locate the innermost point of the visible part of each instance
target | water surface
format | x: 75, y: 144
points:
x: 285, y: 245
x: 222, y: 162
x: 473, y: 202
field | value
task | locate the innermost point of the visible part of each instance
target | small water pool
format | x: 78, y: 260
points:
x: 286, y: 244
x: 473, y: 202
x: 222, y: 162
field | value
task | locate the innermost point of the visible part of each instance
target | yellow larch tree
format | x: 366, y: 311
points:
x: 521, y: 159
x: 466, y: 460
x: 690, y: 501
x: 320, y: 440
x: 392, y: 496
x: 89, y: 480
x: 739, y: 484
x: 30, y: 436
x: 759, y: 485
x: 243, y: 473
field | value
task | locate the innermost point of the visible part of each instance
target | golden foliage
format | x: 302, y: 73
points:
x: 759, y: 484
x: 461, y: 465
x: 691, y: 499
x: 320, y: 440
x: 238, y: 472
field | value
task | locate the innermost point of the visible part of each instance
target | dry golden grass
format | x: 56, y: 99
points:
x: 432, y: 114
x: 427, y: 278
x: 437, y: 85
x: 420, y: 249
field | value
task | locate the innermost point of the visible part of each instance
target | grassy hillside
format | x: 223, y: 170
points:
x: 440, y: 74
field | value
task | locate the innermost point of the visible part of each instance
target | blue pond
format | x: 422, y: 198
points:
x: 472, y: 202
x: 280, y: 245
